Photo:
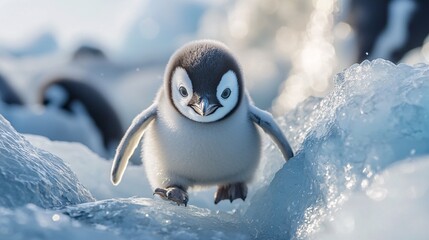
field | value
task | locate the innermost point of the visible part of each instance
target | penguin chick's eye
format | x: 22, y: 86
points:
x: 225, y: 94
x: 183, y: 91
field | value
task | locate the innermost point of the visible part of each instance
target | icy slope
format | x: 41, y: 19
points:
x: 32, y: 222
x: 395, y: 206
x: 30, y: 175
x: 377, y: 114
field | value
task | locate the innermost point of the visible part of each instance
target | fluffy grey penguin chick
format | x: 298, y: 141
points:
x: 202, y: 128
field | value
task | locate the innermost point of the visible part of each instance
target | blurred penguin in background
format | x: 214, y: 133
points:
x: 388, y: 28
x: 8, y: 94
x: 85, y: 52
x: 77, y: 97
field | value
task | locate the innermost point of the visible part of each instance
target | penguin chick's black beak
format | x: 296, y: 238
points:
x: 203, y: 107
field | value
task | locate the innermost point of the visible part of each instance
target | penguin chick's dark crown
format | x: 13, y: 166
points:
x: 205, y: 63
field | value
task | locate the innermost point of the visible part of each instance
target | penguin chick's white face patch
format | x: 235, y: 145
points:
x: 199, y: 108
x: 181, y: 88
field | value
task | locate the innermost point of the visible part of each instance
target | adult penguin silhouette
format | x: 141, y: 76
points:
x: 66, y: 93
x: 86, y: 51
x: 8, y: 94
x: 388, y: 28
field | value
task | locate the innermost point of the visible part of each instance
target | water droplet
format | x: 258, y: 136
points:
x: 377, y: 194
x: 56, y: 217
x: 364, y: 184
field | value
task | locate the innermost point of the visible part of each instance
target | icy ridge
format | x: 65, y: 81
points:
x: 31, y: 175
x: 376, y: 115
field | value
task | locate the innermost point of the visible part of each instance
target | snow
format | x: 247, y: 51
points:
x: 32, y: 222
x: 418, y: 55
x: 376, y: 115
x: 30, y: 175
x: 55, y: 124
x: 155, y: 219
x: 395, y: 206
x: 93, y: 171
x: 42, y: 45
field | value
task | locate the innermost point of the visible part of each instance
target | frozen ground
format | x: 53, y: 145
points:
x: 360, y: 172
x: 30, y: 175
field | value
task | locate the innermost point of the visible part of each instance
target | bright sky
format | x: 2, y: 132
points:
x: 69, y: 20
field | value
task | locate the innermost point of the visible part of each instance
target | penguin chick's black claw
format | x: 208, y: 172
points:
x: 161, y: 192
x: 174, y: 194
x: 231, y: 192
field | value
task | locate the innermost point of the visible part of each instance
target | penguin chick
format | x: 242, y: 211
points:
x: 201, y: 129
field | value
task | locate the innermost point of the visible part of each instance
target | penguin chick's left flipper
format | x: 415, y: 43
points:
x: 130, y: 141
x: 231, y: 192
x: 266, y: 121
x: 175, y: 194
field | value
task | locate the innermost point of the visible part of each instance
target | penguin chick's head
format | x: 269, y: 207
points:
x: 204, y: 81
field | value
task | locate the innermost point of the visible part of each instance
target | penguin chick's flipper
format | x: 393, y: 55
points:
x: 130, y: 142
x: 231, y: 192
x: 174, y: 194
x: 266, y: 121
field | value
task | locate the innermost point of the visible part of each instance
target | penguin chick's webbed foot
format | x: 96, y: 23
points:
x: 231, y: 192
x: 174, y: 193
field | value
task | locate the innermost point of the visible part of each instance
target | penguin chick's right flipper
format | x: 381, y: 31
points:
x: 266, y: 121
x: 175, y: 194
x: 130, y: 142
x: 231, y: 192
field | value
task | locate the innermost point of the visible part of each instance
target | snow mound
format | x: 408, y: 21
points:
x: 45, y: 43
x: 376, y: 115
x: 30, y: 175
x: 93, y: 171
x: 395, y: 206
x: 55, y: 124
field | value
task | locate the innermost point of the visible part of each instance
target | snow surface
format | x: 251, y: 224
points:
x: 31, y: 175
x: 360, y: 172
x: 55, y: 123
x: 395, y: 206
x: 32, y: 222
x: 93, y: 171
